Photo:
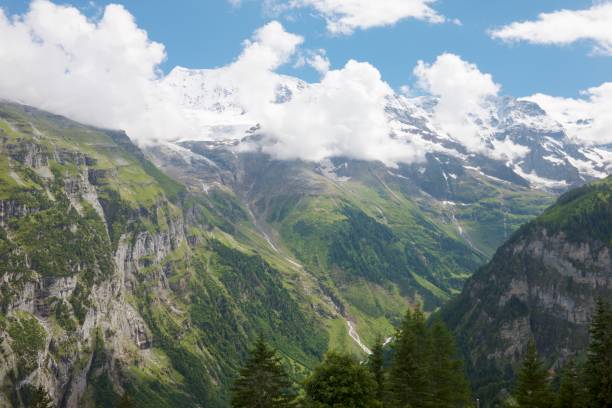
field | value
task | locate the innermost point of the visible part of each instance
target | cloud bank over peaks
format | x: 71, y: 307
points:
x: 343, y: 115
x: 101, y: 72
x: 587, y: 120
x: 105, y: 72
x: 465, y: 97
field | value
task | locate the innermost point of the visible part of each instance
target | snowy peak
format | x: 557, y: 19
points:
x: 514, y: 133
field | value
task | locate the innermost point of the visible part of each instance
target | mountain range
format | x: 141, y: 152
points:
x: 151, y: 269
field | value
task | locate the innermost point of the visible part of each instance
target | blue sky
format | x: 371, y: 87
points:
x: 209, y: 33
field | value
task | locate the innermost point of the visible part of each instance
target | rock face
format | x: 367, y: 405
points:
x: 50, y: 318
x: 113, y: 278
x: 542, y: 284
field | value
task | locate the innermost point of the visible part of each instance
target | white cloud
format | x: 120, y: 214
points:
x: 103, y: 73
x: 316, y: 59
x: 588, y: 120
x: 343, y: 115
x: 346, y: 16
x: 565, y: 27
x: 463, y: 95
x: 462, y: 91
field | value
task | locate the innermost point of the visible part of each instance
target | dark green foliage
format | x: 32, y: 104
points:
x: 63, y: 316
x: 572, y: 390
x: 197, y: 384
x: 11, y: 260
x: 80, y: 301
x: 366, y: 248
x: 599, y: 363
x: 97, y: 378
x: 425, y: 370
x: 59, y: 242
x: 410, y: 377
x: 263, y: 382
x: 532, y: 388
x: 583, y: 213
x: 40, y: 399
x: 450, y: 387
x: 27, y: 340
x: 340, y: 381
x: 376, y: 362
x: 117, y: 213
x: 265, y: 299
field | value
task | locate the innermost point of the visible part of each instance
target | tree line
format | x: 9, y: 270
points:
x: 422, y: 370
x: 586, y: 384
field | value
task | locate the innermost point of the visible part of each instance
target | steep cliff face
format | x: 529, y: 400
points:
x: 113, y: 279
x: 542, y: 284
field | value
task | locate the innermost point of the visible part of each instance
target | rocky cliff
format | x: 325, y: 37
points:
x: 542, y: 284
x: 114, y: 279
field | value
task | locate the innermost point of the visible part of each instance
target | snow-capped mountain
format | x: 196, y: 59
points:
x: 516, y: 139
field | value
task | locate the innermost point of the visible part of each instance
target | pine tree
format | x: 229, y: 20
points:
x: 40, y: 399
x: 571, y: 390
x: 340, y: 381
x: 449, y: 385
x: 410, y: 376
x: 263, y: 382
x: 532, y: 389
x: 599, y: 363
x: 375, y: 364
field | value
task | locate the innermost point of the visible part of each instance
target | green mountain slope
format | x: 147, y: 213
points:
x: 376, y: 239
x: 115, y: 279
x: 541, y: 284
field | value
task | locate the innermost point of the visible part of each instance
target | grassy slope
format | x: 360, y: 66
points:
x: 222, y: 293
x: 381, y: 246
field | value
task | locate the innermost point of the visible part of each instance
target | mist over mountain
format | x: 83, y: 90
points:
x: 155, y: 225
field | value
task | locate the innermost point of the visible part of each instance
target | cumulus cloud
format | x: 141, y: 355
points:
x: 565, y: 27
x: 463, y: 95
x: 102, y: 73
x: 588, y: 120
x: 346, y: 16
x: 462, y: 91
x: 343, y: 115
x: 105, y: 72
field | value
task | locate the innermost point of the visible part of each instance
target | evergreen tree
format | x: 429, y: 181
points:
x: 599, y: 363
x: 532, y: 389
x: 410, y: 379
x: 340, y: 381
x: 449, y: 385
x: 263, y: 382
x: 40, y: 399
x: 571, y: 390
x: 375, y: 364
